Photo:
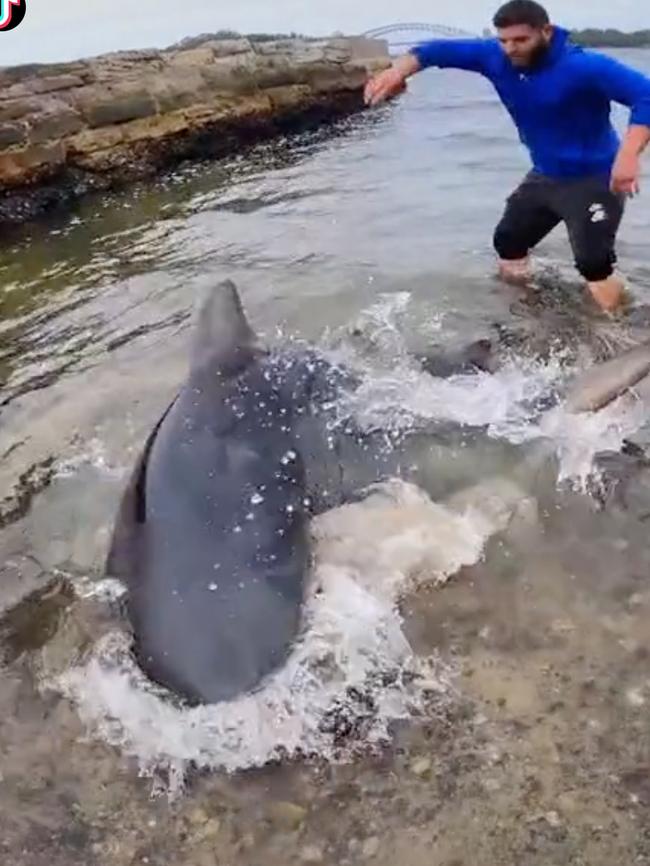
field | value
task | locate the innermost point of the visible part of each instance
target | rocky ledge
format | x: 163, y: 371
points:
x: 97, y: 124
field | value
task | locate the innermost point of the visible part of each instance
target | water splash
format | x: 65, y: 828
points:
x: 520, y: 403
x: 352, y: 675
x: 93, y: 455
x: 579, y: 438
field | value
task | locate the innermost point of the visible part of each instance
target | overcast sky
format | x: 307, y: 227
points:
x: 67, y: 29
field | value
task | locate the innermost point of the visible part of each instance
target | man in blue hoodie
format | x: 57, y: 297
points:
x: 559, y: 97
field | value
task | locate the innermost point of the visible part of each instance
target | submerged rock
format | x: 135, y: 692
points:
x: 287, y: 816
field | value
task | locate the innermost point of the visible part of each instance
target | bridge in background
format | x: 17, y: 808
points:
x: 407, y: 34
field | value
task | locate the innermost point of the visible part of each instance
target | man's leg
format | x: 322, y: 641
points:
x: 526, y: 220
x: 593, y: 214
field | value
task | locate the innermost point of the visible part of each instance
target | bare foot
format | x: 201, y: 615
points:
x: 514, y: 271
x: 609, y: 294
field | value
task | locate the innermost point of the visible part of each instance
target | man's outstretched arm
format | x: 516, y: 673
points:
x: 468, y: 54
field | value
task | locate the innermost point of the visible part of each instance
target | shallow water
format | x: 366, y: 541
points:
x: 474, y: 685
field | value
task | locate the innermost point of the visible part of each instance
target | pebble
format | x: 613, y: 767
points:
x: 197, y: 817
x: 553, y: 819
x: 371, y: 847
x: 421, y: 767
x: 210, y: 829
x: 311, y: 854
x: 635, y: 697
x: 287, y: 815
x: 629, y: 645
x: 562, y: 626
x: 568, y: 804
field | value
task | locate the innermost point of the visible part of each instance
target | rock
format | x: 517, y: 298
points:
x: 64, y: 649
x: 20, y: 575
x: 180, y: 90
x: 54, y: 125
x: 90, y: 141
x: 153, y: 128
x: 421, y: 767
x: 327, y: 80
x: 279, y: 72
x: 370, y: 847
x: 107, y: 111
x: 197, y: 817
x: 30, y: 164
x: 229, y: 47
x: 16, y: 91
x: 311, y: 854
x: 12, y: 133
x: 16, y: 109
x: 56, y: 82
x: 636, y: 600
x: 553, y: 819
x: 193, y: 57
x: 95, y: 124
x: 289, y: 98
x: 230, y: 75
x: 34, y: 620
x: 211, y: 828
x: 246, y: 842
x: 635, y: 697
x: 287, y: 816
x: 208, y: 831
x: 637, y: 783
x: 281, y: 46
x: 258, y: 105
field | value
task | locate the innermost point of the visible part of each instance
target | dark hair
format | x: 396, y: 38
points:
x: 521, y: 12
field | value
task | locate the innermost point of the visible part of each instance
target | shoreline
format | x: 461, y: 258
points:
x: 93, y: 125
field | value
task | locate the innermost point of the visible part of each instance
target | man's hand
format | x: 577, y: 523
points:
x: 391, y: 81
x: 626, y: 172
x: 384, y: 86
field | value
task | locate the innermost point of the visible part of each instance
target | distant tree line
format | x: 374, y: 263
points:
x: 592, y: 37
x: 195, y: 41
x: 610, y: 38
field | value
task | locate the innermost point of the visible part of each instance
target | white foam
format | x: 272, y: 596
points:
x: 396, y: 396
x: 367, y: 556
x: 354, y: 657
x: 579, y: 437
x: 94, y: 455
x: 500, y: 402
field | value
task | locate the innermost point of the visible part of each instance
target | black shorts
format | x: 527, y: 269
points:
x: 590, y: 210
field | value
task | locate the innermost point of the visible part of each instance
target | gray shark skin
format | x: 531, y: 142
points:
x: 211, y: 537
x: 478, y: 356
x: 603, y: 383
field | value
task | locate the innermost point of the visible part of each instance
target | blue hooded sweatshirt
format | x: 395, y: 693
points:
x: 561, y: 106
